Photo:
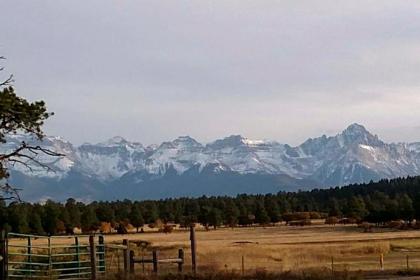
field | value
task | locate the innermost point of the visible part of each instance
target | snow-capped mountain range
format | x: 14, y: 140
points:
x: 118, y: 168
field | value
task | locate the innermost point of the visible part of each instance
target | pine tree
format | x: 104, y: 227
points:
x: 273, y: 209
x: 405, y: 207
x: 416, y: 206
x: 73, y: 210
x: 334, y: 208
x: 105, y: 213
x: 18, y: 218
x: 89, y: 221
x: 136, y: 218
x: 51, y: 217
x: 244, y: 216
x: 356, y: 208
x: 35, y: 223
x: 151, y: 214
x: 64, y: 217
x: 261, y: 215
x: 215, y: 217
x: 231, y: 214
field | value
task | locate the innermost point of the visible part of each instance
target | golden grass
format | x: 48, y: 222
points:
x: 284, y: 248
x: 279, y: 249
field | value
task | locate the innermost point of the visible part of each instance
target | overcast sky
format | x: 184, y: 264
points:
x: 153, y: 70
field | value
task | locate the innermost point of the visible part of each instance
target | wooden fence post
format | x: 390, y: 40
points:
x: 155, y: 261
x: 193, y: 249
x: 180, y: 256
x: 126, y: 255
x: 143, y: 269
x: 407, y: 261
x: 131, y: 262
x: 118, y: 262
x: 243, y: 266
x: 92, y: 256
x: 3, y: 254
x: 332, y: 267
x: 381, y: 261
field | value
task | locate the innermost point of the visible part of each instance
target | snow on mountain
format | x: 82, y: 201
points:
x: 246, y: 156
x: 353, y: 156
x: 110, y: 159
x: 180, y: 154
x: 58, y: 166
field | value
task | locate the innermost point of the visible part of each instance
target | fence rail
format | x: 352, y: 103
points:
x: 156, y: 261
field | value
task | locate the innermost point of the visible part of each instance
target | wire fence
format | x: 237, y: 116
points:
x: 86, y: 257
x: 249, y: 263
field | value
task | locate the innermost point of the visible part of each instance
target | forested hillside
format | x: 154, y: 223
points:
x: 378, y: 202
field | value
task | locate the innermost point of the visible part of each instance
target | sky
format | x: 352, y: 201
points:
x: 154, y: 70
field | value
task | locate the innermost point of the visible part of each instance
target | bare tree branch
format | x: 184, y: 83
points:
x: 9, y: 193
x: 31, y: 156
x: 25, y: 155
x: 9, y: 80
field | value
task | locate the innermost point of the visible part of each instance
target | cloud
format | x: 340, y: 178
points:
x: 267, y: 69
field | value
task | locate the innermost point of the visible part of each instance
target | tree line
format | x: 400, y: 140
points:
x: 378, y: 202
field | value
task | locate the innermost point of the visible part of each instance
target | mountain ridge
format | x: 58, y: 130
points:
x: 119, y: 168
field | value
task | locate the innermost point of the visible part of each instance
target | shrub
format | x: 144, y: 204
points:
x: 395, y: 224
x: 331, y: 220
x: 348, y: 221
x: 167, y: 229
x: 305, y: 222
x: 314, y: 215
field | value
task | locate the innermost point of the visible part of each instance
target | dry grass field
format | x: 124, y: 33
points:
x: 284, y: 248
x: 274, y: 249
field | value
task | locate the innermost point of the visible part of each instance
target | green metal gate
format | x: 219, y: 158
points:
x: 54, y: 257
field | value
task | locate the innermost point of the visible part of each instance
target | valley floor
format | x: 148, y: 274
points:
x: 282, y: 248
x: 319, y: 247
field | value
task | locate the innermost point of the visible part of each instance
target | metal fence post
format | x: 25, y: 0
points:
x: 29, y: 255
x: 101, y: 253
x: 76, y: 244
x: 3, y: 253
x: 50, y: 266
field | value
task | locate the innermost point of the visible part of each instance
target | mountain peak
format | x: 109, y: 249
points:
x: 186, y: 141
x: 355, y: 128
x: 115, y: 141
x: 358, y: 134
x: 185, y: 138
x: 230, y: 141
